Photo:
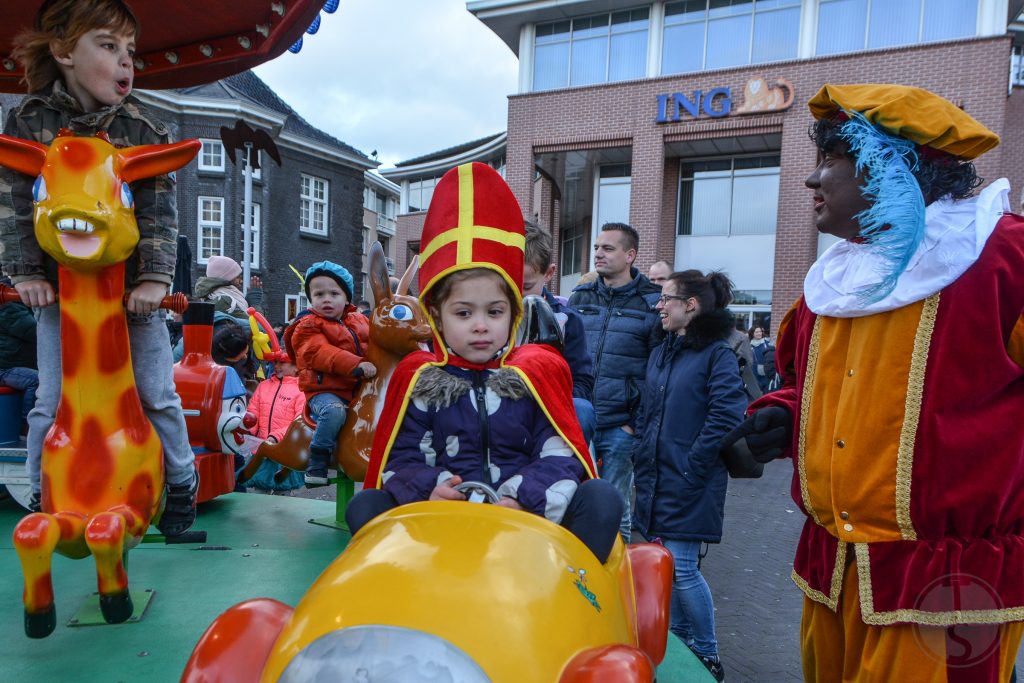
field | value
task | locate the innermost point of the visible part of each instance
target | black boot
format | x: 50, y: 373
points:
x: 316, y: 473
x: 179, y: 508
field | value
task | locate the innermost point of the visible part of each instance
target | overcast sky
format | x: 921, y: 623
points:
x: 403, y: 77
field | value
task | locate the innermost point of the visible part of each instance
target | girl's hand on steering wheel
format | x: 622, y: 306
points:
x: 511, y: 503
x: 446, y: 491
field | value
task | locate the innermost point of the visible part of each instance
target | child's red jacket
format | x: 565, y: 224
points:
x: 328, y: 350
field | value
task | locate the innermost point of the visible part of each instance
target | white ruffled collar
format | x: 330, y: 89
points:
x: 955, y: 234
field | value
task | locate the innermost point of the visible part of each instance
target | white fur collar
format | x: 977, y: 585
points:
x: 955, y: 234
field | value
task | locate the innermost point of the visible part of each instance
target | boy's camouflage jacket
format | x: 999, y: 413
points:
x: 39, y: 117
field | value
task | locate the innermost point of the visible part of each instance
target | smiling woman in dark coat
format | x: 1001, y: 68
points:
x: 693, y: 396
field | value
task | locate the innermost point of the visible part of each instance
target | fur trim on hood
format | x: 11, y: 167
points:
x: 707, y: 328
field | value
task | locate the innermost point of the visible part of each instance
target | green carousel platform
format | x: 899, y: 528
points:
x: 256, y: 546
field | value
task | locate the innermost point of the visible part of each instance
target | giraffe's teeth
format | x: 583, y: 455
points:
x: 79, y: 225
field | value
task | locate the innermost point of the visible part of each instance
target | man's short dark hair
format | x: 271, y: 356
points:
x: 630, y: 236
x: 938, y: 174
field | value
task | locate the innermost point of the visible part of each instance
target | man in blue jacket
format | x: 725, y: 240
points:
x: 622, y: 328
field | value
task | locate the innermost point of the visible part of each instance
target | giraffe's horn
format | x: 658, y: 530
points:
x: 148, y: 161
x: 23, y: 156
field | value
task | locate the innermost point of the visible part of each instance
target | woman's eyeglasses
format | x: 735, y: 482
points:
x: 665, y: 298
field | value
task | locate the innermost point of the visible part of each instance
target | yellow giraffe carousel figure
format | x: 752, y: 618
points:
x: 102, y: 462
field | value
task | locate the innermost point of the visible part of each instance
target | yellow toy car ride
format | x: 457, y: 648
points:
x: 445, y: 591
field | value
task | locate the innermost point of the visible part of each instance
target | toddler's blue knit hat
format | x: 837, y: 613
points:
x: 333, y: 271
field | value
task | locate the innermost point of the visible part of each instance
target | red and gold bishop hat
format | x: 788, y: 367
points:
x: 474, y: 221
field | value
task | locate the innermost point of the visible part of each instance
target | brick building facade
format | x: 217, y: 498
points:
x: 708, y: 164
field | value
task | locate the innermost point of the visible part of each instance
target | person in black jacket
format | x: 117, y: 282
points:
x: 693, y: 397
x: 18, y: 352
x: 622, y: 328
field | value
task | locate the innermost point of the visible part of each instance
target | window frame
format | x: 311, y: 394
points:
x: 314, y: 202
x: 257, y: 234
x: 865, y: 44
x: 201, y: 224
x: 300, y: 304
x: 568, y: 41
x: 732, y: 185
x: 202, y: 150
x: 707, y: 19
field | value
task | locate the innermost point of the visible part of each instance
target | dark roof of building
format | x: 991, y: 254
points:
x: 248, y: 86
x: 450, y: 152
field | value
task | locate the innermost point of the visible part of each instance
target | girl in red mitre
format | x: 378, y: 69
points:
x: 478, y: 408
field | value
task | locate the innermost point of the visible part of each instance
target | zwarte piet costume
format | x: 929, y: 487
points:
x: 904, y: 373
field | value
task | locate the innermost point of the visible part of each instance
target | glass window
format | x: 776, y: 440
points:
x: 293, y: 305
x: 850, y: 25
x: 946, y: 19
x: 732, y: 196
x: 894, y: 22
x: 776, y: 34
x: 211, y: 155
x: 592, y: 49
x: 714, y: 34
x: 210, y: 233
x: 313, y: 205
x: 254, y: 258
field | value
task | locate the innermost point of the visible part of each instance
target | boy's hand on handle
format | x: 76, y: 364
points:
x: 369, y: 370
x: 36, y: 293
x: 446, y: 491
x: 763, y: 436
x: 146, y: 297
x: 510, y: 503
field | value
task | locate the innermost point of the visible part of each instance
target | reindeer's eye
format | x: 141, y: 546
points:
x: 126, y: 196
x: 401, y: 312
x: 39, y: 189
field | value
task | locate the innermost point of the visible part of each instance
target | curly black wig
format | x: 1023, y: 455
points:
x: 939, y: 175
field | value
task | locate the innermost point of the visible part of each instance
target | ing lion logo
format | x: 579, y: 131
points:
x: 760, y: 96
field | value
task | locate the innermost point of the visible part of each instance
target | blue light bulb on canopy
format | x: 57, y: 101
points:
x: 331, y: 6
x: 315, y: 26
x: 296, y: 46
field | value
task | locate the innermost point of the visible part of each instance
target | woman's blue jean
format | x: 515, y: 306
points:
x: 328, y: 411
x: 693, y: 613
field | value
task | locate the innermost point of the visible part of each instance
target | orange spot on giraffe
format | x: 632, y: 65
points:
x: 141, y: 494
x: 134, y: 421
x: 71, y: 340
x: 110, y: 284
x: 76, y: 155
x: 31, y: 533
x: 113, y: 342
x: 68, y: 287
x: 42, y: 589
x: 45, y: 500
x: 92, y: 464
x: 65, y: 413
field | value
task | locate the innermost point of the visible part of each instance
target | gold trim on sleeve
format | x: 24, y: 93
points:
x: 805, y: 410
x: 912, y: 416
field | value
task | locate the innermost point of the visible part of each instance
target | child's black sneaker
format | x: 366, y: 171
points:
x: 179, y: 508
x: 714, y: 667
x: 316, y: 473
x: 33, y: 502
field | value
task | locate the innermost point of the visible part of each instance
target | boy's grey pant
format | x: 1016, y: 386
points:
x: 154, y: 378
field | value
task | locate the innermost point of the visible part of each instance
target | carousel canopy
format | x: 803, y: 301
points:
x: 184, y: 43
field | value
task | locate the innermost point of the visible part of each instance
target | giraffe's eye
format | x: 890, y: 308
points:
x: 39, y: 189
x: 126, y: 196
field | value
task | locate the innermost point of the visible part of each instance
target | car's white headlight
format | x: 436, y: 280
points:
x: 382, y: 654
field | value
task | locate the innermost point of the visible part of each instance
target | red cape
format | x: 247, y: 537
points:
x: 541, y: 367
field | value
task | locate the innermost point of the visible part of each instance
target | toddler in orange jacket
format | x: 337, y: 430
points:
x: 328, y: 342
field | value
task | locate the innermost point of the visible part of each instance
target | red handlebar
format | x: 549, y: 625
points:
x: 176, y: 302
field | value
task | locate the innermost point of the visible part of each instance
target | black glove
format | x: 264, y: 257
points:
x: 763, y: 436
